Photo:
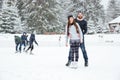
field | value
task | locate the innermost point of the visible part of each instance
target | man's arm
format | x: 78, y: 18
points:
x: 85, y: 28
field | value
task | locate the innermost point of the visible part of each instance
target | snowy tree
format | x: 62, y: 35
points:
x: 92, y: 10
x: 39, y: 15
x: 49, y: 15
x: 1, y: 2
x: 10, y: 19
x: 113, y: 10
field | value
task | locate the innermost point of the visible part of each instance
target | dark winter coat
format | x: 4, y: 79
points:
x: 17, y: 39
x: 32, y: 39
x: 83, y: 25
x: 24, y: 38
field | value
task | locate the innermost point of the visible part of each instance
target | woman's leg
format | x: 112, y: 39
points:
x: 77, y: 50
x: 71, y: 53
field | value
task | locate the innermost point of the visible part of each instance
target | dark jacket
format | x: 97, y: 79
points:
x: 83, y: 25
x: 17, y: 39
x: 24, y: 38
x: 32, y: 39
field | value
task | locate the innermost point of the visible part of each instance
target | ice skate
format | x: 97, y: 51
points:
x: 73, y: 65
x: 68, y: 63
x: 16, y: 51
x: 31, y: 53
x: 86, y: 64
x: 26, y: 51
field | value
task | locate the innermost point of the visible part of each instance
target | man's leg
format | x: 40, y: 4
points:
x: 17, y: 47
x: 20, y: 47
x: 32, y: 47
x: 28, y: 48
x: 24, y: 46
x: 82, y: 46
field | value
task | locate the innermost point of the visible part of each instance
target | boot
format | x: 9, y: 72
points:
x: 68, y: 63
x: 31, y: 53
x: 86, y: 64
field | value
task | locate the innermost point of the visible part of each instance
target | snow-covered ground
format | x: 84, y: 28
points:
x: 48, y: 61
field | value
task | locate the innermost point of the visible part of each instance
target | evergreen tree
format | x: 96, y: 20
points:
x: 39, y: 15
x: 92, y: 10
x: 10, y: 19
x: 113, y: 10
x: 1, y: 2
x: 49, y: 15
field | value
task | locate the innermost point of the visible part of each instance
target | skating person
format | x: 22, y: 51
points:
x: 60, y: 41
x: 83, y: 25
x: 31, y: 40
x: 17, y: 42
x: 73, y: 32
x: 24, y: 41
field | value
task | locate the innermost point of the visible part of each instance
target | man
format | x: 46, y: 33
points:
x: 83, y: 25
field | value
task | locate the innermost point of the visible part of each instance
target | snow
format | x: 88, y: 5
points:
x: 48, y: 61
x: 105, y: 3
x: 116, y: 20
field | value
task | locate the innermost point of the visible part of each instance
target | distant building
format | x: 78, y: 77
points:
x: 114, y: 25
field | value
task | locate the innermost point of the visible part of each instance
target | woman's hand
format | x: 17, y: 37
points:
x: 70, y: 36
x: 79, y: 35
x: 66, y: 44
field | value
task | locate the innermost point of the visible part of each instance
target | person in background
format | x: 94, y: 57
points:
x: 60, y: 40
x: 17, y: 42
x: 24, y: 41
x: 73, y: 32
x: 31, y: 45
x: 83, y: 25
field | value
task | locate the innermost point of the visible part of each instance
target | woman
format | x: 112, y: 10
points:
x: 31, y: 40
x: 73, y: 32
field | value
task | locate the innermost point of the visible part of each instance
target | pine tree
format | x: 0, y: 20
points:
x: 113, y: 10
x: 50, y: 15
x: 92, y: 10
x: 39, y: 15
x: 1, y: 2
x: 10, y: 18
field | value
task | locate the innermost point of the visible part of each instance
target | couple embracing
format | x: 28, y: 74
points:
x: 75, y: 30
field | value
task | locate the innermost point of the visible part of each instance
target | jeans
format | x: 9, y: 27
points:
x: 24, y: 44
x: 82, y: 46
x: 17, y: 45
x: 30, y: 47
